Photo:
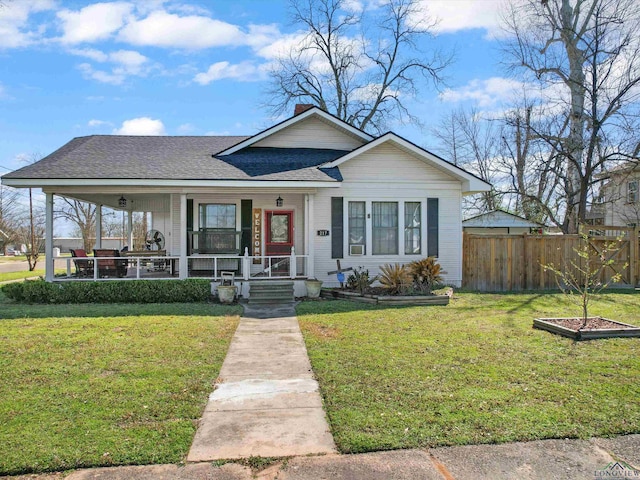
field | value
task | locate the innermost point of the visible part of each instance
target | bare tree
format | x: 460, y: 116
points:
x: 10, y: 211
x: 361, y: 66
x: 471, y: 139
x: 585, y: 54
x: 83, y: 216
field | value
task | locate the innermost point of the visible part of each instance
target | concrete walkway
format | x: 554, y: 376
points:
x: 540, y: 460
x: 266, y: 402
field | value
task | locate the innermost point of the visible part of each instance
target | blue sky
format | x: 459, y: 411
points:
x: 75, y: 68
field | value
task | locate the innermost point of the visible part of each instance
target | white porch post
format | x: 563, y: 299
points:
x: 48, y: 242
x: 98, y: 226
x: 183, y: 236
x: 309, y: 229
x: 130, y: 229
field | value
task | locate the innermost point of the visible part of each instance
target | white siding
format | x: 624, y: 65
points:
x: 389, y: 174
x: 387, y: 162
x: 311, y: 133
x: 618, y: 211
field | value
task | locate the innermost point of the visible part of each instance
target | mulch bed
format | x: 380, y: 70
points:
x: 593, y: 323
x: 596, y: 327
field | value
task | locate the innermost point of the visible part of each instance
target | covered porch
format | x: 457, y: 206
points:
x: 255, y: 234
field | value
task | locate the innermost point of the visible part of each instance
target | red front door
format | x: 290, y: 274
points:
x: 279, y: 230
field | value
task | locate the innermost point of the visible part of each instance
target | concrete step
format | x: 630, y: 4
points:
x: 271, y: 292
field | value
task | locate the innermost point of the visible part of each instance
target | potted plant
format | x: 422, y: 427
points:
x: 313, y: 287
x: 227, y: 293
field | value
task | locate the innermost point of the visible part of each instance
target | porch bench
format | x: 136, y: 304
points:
x: 84, y: 268
x: 110, y: 266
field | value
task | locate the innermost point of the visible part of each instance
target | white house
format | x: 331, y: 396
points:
x: 288, y: 201
x: 619, y: 202
x: 499, y: 222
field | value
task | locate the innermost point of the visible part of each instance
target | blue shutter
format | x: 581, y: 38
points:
x: 337, y: 227
x: 432, y: 227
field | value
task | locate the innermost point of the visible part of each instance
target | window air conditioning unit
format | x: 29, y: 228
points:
x: 356, y: 249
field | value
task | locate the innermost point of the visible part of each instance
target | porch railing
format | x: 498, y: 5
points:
x: 143, y: 267
x: 248, y: 266
x: 131, y: 267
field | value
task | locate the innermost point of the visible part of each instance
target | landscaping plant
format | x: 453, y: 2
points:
x: 581, y: 278
x: 396, y: 278
x: 426, y: 274
x: 359, y: 280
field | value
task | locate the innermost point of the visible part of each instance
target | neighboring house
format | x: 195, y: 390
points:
x: 619, y: 200
x: 499, y: 222
x: 305, y: 192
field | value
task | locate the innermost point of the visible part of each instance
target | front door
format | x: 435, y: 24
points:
x: 279, y: 232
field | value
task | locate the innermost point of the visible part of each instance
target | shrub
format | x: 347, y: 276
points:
x: 396, y: 278
x: 359, y: 280
x: 134, y: 291
x: 426, y: 274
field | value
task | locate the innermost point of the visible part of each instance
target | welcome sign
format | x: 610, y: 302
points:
x: 256, y: 234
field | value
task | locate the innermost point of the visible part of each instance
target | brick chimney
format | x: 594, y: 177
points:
x: 302, y: 107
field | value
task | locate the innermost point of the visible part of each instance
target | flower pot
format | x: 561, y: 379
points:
x: 313, y: 288
x: 227, y: 293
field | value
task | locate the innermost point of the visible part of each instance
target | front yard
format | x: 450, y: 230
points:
x: 87, y: 385
x: 471, y: 372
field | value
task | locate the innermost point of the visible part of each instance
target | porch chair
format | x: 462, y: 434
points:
x: 110, y: 266
x: 84, y: 268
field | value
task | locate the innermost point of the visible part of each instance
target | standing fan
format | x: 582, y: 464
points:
x: 154, y: 240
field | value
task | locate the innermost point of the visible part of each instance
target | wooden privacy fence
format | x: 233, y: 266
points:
x: 498, y: 263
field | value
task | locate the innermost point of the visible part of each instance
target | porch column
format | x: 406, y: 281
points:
x: 183, y: 236
x: 48, y: 239
x: 130, y: 229
x: 309, y: 229
x: 98, y: 226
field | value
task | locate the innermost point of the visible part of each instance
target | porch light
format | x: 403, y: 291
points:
x: 122, y: 202
x: 279, y: 201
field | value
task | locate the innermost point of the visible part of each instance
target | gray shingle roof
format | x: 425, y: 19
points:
x: 176, y: 158
x: 260, y: 161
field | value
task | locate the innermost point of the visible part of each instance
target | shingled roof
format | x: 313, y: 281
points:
x: 178, y: 158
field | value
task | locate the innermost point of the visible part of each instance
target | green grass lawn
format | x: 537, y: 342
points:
x: 471, y: 372
x: 90, y: 385
x: 6, y: 276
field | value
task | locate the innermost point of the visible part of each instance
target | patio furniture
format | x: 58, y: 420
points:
x: 84, y: 268
x: 111, y: 266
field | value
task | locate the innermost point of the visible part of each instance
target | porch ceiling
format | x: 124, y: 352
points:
x: 135, y: 202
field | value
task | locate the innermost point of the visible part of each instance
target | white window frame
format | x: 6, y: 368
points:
x: 369, y: 226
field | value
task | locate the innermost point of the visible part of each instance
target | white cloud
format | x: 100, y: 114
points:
x: 14, y: 22
x: 163, y: 29
x: 94, y: 22
x: 462, y: 14
x: 125, y: 63
x: 244, y: 72
x: 129, y: 61
x: 92, y: 53
x: 101, y: 76
x: 486, y: 93
x: 93, y: 123
x: 280, y: 46
x: 141, y: 126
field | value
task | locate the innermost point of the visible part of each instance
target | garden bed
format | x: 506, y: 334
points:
x: 383, y: 299
x: 596, y: 327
